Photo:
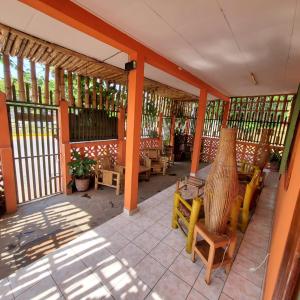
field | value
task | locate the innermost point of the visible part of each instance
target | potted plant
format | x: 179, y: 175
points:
x: 81, y: 170
x: 275, y: 160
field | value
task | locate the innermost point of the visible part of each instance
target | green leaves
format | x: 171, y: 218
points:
x: 81, y: 167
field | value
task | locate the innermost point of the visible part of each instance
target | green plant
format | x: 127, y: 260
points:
x: 81, y: 167
x: 153, y: 134
x: 275, y: 156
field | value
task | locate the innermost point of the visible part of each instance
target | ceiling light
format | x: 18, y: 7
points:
x: 253, y: 78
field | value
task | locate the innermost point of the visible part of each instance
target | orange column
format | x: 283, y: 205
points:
x: 198, y: 133
x: 134, y: 117
x: 225, y: 114
x: 65, y: 147
x: 172, y: 131
x: 159, y: 129
x: 7, y: 160
x: 121, y: 136
x: 187, y: 126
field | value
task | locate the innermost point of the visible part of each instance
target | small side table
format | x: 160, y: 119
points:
x: 214, y: 250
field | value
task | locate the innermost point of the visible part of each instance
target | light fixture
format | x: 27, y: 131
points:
x: 253, y: 78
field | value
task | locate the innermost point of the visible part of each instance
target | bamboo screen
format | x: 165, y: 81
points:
x: 251, y: 114
x: 213, y: 118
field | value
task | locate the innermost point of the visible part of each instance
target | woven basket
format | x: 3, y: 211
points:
x: 221, y: 188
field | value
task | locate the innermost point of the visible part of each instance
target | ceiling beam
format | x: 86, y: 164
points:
x: 75, y: 16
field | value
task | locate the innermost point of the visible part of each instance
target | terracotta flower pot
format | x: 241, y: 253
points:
x: 82, y: 185
x: 221, y: 187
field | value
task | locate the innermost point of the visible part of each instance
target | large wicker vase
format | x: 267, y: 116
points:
x: 263, y: 149
x: 221, y: 187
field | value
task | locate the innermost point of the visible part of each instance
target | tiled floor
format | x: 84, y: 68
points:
x: 141, y: 257
x: 40, y: 227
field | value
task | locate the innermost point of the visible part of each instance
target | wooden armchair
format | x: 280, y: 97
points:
x: 240, y: 213
x: 159, y: 163
x: 187, y: 207
x: 108, y: 175
x: 169, y: 153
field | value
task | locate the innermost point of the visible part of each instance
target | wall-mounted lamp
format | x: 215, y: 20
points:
x: 253, y: 78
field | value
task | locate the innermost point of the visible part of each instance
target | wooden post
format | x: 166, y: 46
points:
x: 46, y: 90
x: 65, y: 147
x: 79, y: 91
x: 7, y: 160
x: 62, y: 84
x: 21, y: 84
x: 134, y: 117
x: 121, y: 136
x: 70, y: 89
x: 57, y: 86
x: 225, y: 114
x: 198, y: 133
x: 172, y: 131
x: 159, y: 129
x: 34, y: 88
x: 94, y: 103
x: 87, y: 92
x: 7, y: 77
x: 100, y: 95
x: 187, y: 126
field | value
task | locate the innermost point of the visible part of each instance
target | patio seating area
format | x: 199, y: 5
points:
x: 142, y: 257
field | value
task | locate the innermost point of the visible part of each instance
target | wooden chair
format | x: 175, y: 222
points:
x: 169, y: 153
x: 240, y: 213
x: 159, y: 163
x: 214, y: 250
x: 186, y: 211
x: 108, y: 175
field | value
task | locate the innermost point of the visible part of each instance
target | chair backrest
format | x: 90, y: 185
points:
x: 105, y: 163
x: 153, y: 153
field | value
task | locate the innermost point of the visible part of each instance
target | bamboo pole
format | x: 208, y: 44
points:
x: 7, y: 77
x: 46, y: 90
x: 86, y: 92
x: 34, y: 88
x: 79, y: 99
x: 70, y: 89
x: 94, y: 103
x: 21, y: 79
x: 62, y: 84
x: 100, y: 95
x: 57, y: 86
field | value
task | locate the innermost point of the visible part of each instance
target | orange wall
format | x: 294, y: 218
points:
x: 285, y: 206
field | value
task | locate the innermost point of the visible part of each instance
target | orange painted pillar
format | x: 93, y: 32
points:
x: 7, y: 160
x: 133, y: 135
x: 172, y: 131
x: 225, y: 114
x: 198, y: 133
x: 121, y: 136
x: 159, y: 130
x: 65, y: 147
x: 187, y: 126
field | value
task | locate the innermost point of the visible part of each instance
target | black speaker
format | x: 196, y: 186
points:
x: 131, y: 65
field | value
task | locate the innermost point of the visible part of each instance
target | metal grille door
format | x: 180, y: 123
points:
x: 35, y: 140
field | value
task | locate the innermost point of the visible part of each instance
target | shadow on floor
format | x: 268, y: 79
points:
x: 40, y: 227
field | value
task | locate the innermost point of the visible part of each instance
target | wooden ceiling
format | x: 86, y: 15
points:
x: 16, y: 43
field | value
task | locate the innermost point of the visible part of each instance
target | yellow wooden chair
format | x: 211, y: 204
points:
x: 186, y: 212
x: 108, y: 175
x: 240, y: 213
